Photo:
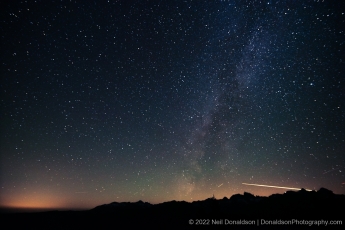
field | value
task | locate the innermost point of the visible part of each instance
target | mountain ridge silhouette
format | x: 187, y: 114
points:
x: 322, y: 204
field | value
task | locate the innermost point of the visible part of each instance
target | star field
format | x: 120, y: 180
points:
x: 156, y: 101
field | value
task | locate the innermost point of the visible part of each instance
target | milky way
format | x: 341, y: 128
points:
x: 115, y: 101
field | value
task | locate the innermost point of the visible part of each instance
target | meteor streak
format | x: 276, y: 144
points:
x: 220, y: 185
x: 271, y: 186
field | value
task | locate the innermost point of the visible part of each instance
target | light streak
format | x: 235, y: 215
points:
x: 220, y: 185
x: 271, y: 186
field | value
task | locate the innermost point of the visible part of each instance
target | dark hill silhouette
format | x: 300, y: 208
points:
x: 321, y: 204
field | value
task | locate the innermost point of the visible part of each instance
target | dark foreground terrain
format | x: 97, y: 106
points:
x: 248, y: 210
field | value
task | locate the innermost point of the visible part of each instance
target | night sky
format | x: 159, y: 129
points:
x: 106, y: 101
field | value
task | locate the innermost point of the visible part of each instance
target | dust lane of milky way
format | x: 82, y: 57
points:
x: 158, y: 101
